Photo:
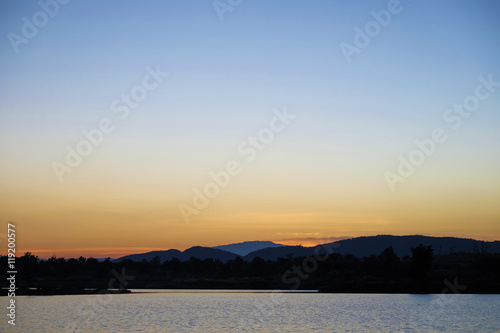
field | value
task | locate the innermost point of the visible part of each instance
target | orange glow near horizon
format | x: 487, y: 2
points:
x: 176, y: 129
x: 114, y: 223
x: 118, y: 252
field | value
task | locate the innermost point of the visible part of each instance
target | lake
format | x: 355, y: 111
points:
x: 241, y: 311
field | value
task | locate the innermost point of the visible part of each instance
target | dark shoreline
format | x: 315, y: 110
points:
x: 423, y: 273
x: 62, y: 292
x: 342, y: 290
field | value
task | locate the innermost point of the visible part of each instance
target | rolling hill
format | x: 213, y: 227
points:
x: 359, y: 247
x: 196, y: 251
x: 245, y: 248
x: 365, y: 246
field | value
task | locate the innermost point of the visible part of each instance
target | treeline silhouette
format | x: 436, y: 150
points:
x: 422, y: 272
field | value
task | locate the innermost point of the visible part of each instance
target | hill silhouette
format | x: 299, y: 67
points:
x: 373, y: 245
x: 245, y: 248
x: 282, y: 252
x: 434, y: 265
x: 198, y: 252
x: 365, y: 246
x: 358, y: 247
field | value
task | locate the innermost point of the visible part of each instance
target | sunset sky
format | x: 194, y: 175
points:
x: 312, y: 130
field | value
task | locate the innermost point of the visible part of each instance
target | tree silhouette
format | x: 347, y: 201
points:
x: 29, y: 263
x: 337, y: 273
x: 389, y: 261
x: 421, y: 262
x: 156, y: 260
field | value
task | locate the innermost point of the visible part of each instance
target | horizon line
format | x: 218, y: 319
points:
x: 118, y: 252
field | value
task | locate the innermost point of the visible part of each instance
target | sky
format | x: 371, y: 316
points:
x: 130, y: 126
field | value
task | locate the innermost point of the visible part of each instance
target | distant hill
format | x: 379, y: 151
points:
x: 359, y: 247
x: 207, y: 253
x: 245, y: 248
x: 365, y: 246
x: 280, y: 252
x: 199, y: 252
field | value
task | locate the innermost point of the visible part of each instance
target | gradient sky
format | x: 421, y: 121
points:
x: 320, y: 179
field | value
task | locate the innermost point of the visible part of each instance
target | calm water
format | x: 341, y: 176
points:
x: 256, y: 312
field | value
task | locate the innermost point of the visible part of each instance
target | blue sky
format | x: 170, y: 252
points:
x: 226, y: 77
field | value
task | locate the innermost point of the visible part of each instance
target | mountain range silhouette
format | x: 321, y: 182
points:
x: 359, y: 247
